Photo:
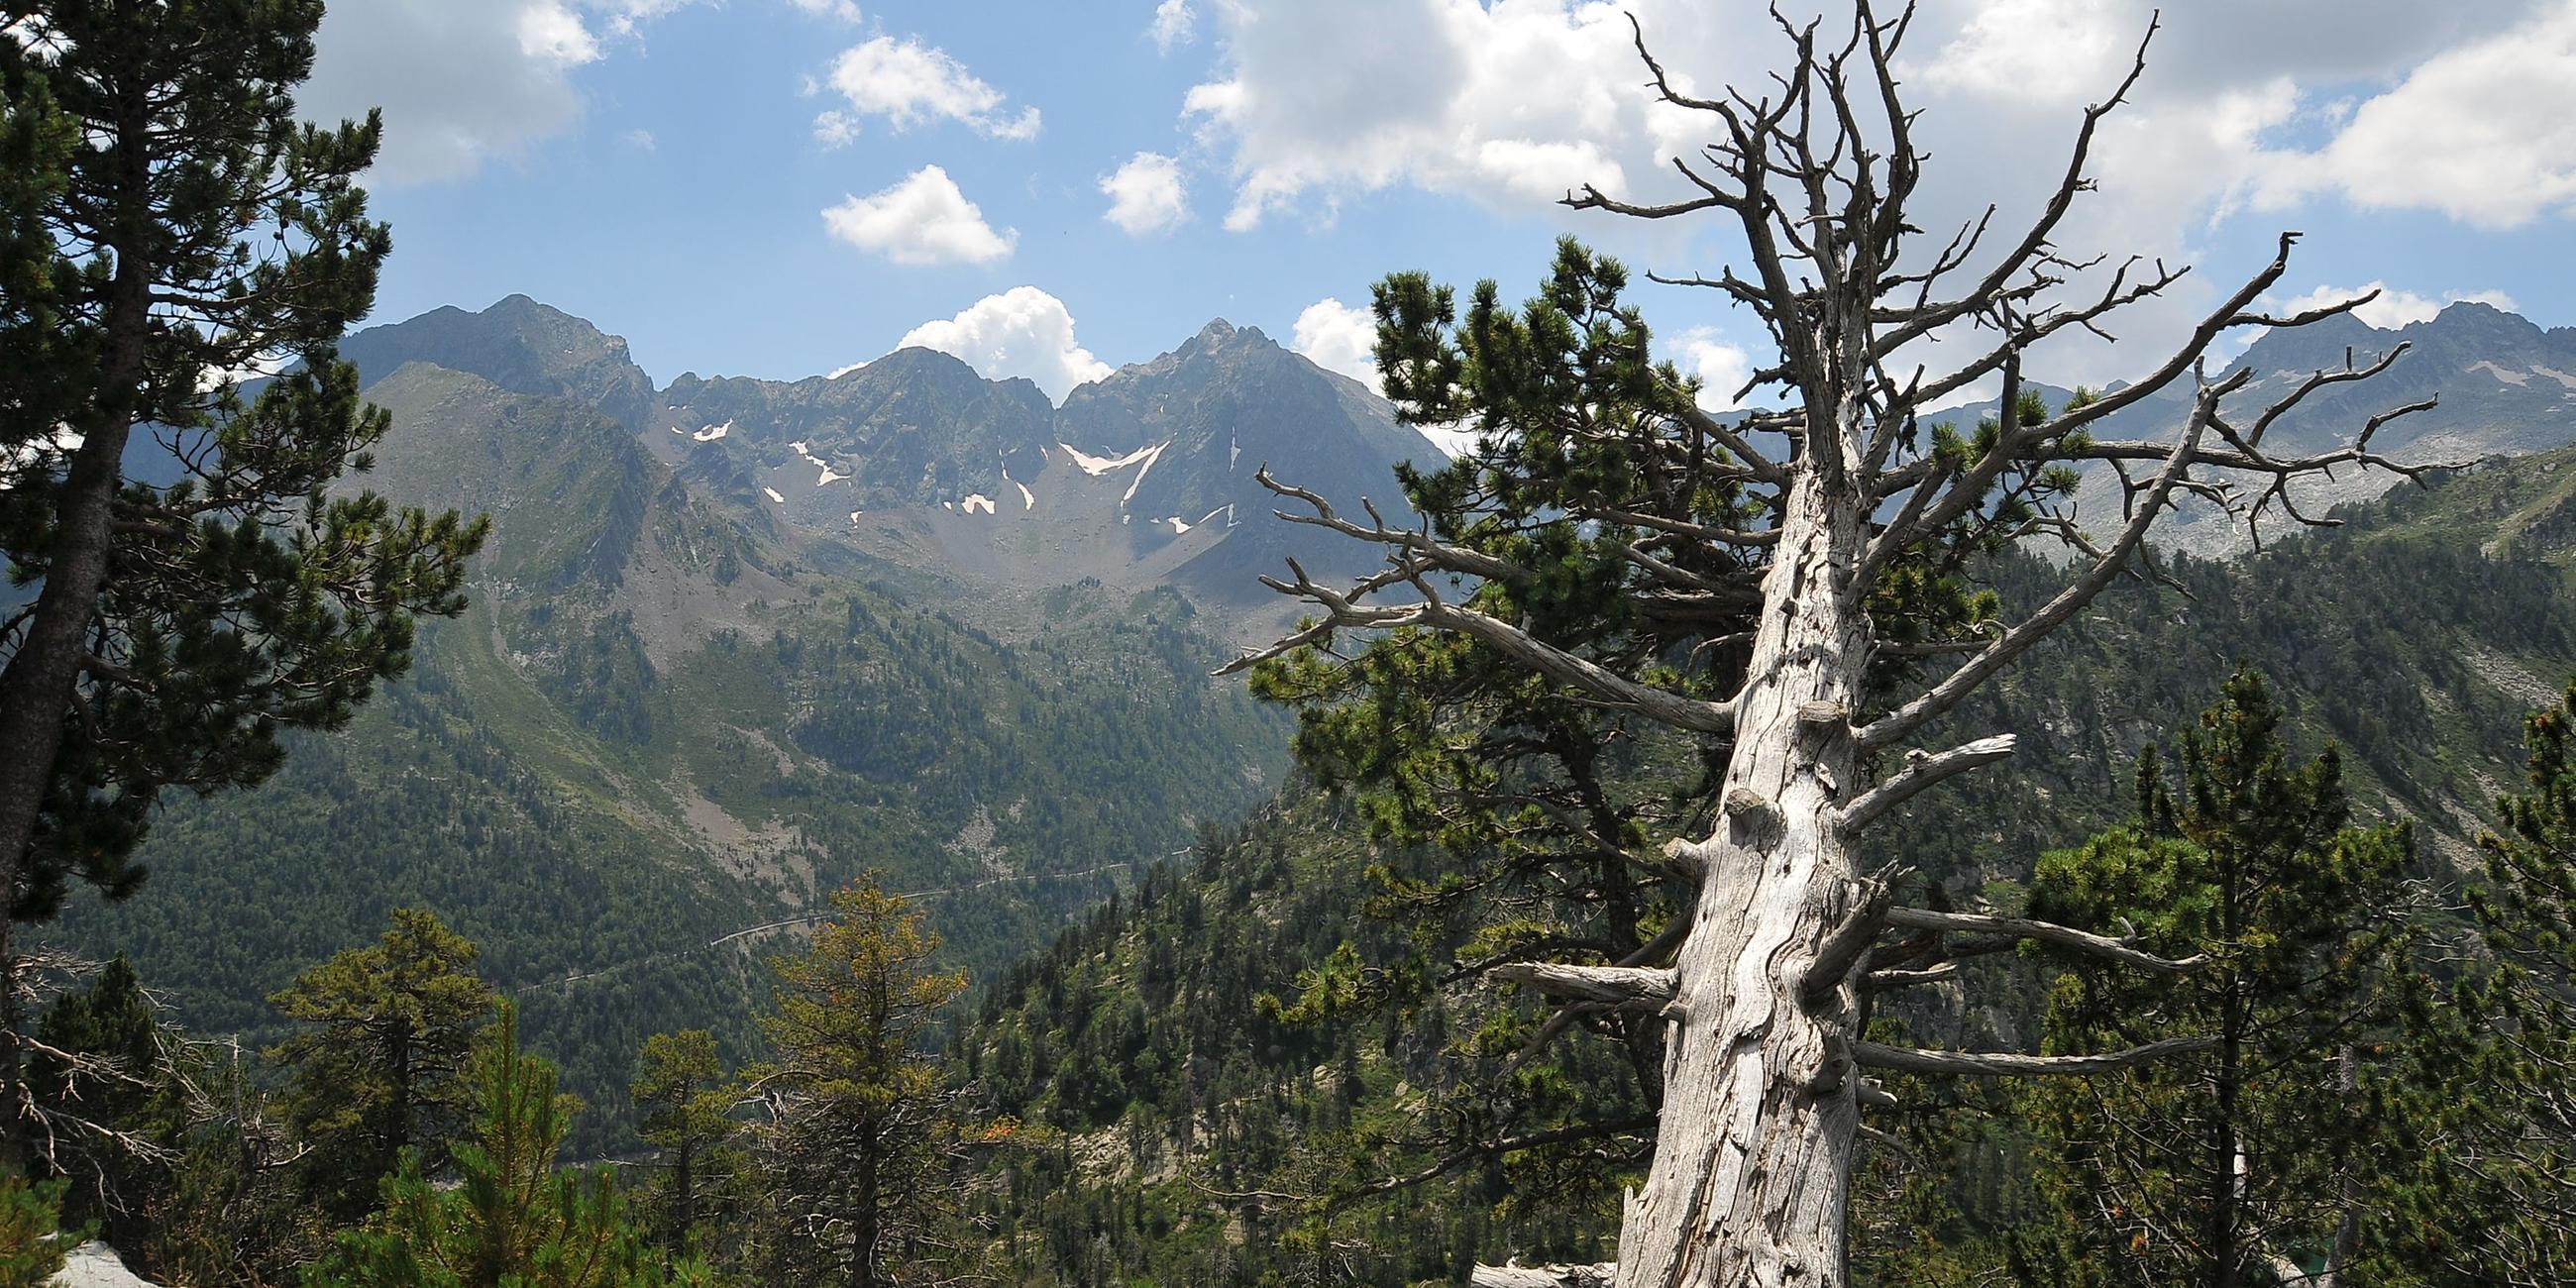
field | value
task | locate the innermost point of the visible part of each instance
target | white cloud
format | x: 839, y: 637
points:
x: 845, y: 10
x: 1315, y: 101
x: 1327, y: 97
x: 1174, y: 24
x: 1722, y: 368
x: 640, y: 140
x: 2392, y: 308
x: 552, y: 33
x: 922, y: 220
x: 1337, y: 337
x: 836, y: 129
x: 463, y: 82
x: 2492, y: 299
x: 1022, y: 332
x: 907, y: 82
x: 2054, y: 50
x: 1146, y: 195
x: 2484, y: 133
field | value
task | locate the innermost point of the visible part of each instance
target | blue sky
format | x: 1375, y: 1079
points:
x: 664, y: 167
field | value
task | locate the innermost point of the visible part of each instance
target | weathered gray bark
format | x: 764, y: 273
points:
x: 1751, y: 1164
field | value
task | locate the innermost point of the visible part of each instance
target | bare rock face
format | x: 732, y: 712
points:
x: 96, y: 1265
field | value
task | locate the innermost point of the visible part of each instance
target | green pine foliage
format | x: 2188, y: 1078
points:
x: 857, y: 1134
x: 241, y: 591
x: 31, y: 1241
x: 2507, y: 1151
x: 684, y: 1105
x: 379, y: 1069
x: 514, y: 1218
x: 2266, y: 1150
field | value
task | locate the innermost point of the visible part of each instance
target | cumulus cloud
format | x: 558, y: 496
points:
x: 1146, y: 195
x: 461, y: 82
x: 836, y: 129
x: 906, y: 83
x: 1438, y: 95
x: 552, y: 33
x: 464, y: 82
x: 1174, y: 25
x: 1315, y: 101
x: 1722, y: 368
x: 1022, y: 332
x: 2485, y: 133
x: 1337, y: 337
x: 2392, y: 308
x: 922, y: 220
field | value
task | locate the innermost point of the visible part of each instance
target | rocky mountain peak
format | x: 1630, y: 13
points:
x: 520, y: 345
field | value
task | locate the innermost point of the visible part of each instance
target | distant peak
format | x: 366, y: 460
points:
x: 1216, y: 331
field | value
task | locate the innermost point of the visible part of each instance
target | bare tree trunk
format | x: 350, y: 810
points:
x: 1754, y: 1149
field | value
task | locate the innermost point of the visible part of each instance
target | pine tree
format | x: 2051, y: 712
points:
x: 855, y: 1149
x: 31, y: 1242
x: 381, y: 1067
x: 194, y: 231
x: 684, y: 1102
x: 2258, y: 1158
x: 2493, y: 1186
x: 514, y: 1220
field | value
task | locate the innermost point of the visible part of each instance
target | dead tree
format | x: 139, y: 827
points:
x: 1765, y: 992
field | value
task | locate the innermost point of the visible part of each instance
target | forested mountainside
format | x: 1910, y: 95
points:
x: 669, y: 718
x: 1194, y: 1118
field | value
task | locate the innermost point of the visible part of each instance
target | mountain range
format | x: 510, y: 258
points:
x: 736, y: 641
x: 1141, y: 479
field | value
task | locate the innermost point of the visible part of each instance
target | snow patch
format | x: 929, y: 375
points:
x: 1028, y: 499
x: 1151, y: 456
x: 828, y: 476
x: 713, y: 432
x: 854, y: 516
x: 1178, y: 525
x: 2509, y: 377
x: 978, y: 501
x: 774, y: 496
x: 2554, y: 374
x: 1095, y: 466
